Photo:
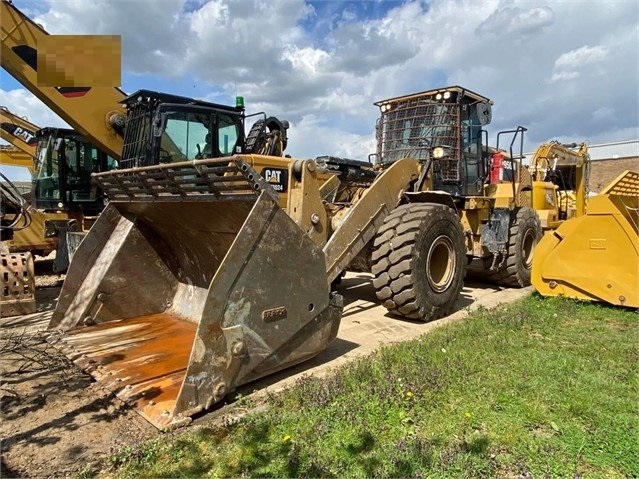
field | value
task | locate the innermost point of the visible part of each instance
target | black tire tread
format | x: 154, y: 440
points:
x: 510, y: 274
x: 393, y: 261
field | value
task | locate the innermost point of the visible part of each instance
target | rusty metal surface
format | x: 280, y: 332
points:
x: 17, y: 283
x: 141, y: 360
x: 173, y: 302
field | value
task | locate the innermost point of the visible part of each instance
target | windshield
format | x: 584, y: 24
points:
x: 47, y: 183
x: 193, y: 136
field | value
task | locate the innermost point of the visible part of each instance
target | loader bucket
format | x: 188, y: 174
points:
x: 192, y: 282
x: 595, y: 256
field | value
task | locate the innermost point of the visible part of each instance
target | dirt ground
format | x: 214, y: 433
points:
x: 55, y: 421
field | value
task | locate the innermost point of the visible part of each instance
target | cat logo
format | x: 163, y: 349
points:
x: 25, y: 135
x: 277, y: 178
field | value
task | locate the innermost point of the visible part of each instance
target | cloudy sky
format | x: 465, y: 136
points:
x: 566, y: 70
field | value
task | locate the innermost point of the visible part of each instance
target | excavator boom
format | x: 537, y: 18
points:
x: 95, y: 112
x: 559, y: 173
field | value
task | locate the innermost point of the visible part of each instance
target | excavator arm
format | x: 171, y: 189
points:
x: 18, y: 131
x: 95, y: 112
x: 12, y: 156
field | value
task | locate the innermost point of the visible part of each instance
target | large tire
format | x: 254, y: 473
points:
x: 523, y: 235
x: 419, y: 261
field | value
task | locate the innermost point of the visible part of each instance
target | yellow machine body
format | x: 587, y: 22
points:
x: 12, y: 156
x: 595, y: 256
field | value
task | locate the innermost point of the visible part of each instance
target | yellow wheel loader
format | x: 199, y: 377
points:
x: 204, y: 274
x: 595, y: 255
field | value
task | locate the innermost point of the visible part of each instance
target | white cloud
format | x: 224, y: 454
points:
x: 581, y: 57
x: 603, y: 114
x: 306, y: 61
x: 327, y: 140
x: 26, y: 105
x: 564, y: 76
x: 515, y: 20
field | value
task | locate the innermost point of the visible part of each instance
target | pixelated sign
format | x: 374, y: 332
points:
x: 79, y: 61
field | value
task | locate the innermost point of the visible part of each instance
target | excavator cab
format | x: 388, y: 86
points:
x: 63, y: 173
x: 63, y: 189
x: 164, y: 128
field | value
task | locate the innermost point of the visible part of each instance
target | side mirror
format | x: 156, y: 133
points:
x: 484, y: 113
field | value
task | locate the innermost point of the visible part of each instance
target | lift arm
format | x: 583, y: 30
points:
x: 20, y: 132
x: 95, y: 112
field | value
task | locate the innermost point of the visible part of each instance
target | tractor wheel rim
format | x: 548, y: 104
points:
x: 440, y: 264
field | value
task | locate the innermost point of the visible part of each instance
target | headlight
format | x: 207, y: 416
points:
x: 438, y: 96
x: 438, y: 152
x: 446, y: 95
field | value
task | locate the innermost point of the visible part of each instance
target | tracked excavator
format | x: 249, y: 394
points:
x: 204, y: 274
x: 62, y: 198
x: 62, y: 203
x: 560, y: 180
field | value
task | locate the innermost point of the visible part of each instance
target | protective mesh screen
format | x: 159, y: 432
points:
x: 412, y: 127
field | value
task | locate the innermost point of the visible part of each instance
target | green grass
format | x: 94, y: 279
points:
x: 541, y: 387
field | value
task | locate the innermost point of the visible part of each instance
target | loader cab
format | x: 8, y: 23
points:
x: 165, y: 128
x: 64, y: 163
x: 442, y: 129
